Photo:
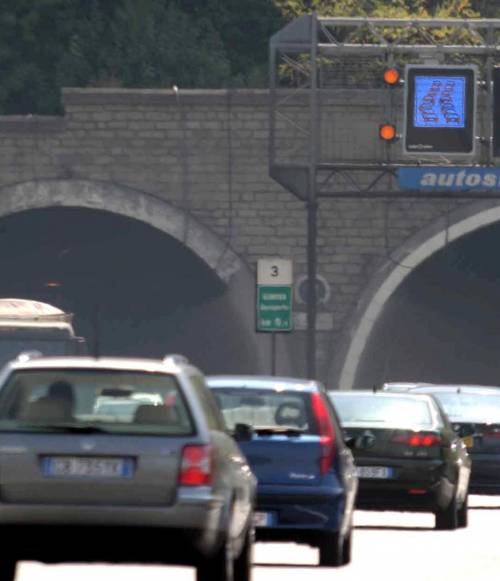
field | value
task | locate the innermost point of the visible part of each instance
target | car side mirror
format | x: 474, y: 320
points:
x: 80, y: 346
x: 350, y: 442
x: 243, y: 432
x: 464, y: 430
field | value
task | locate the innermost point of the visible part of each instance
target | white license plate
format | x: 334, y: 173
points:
x: 381, y: 472
x: 87, y: 467
x: 262, y: 519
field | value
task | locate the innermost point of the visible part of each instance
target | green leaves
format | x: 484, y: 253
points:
x: 382, y: 8
x: 47, y: 44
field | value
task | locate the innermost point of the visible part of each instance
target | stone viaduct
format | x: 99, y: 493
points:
x: 194, y: 166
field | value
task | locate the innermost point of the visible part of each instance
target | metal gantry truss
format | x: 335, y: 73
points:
x: 298, y: 49
x: 305, y: 42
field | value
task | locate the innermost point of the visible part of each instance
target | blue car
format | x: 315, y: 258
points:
x: 289, y: 431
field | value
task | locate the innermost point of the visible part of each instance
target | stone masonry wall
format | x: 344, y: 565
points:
x: 207, y: 152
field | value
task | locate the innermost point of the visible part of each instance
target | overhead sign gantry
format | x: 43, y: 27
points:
x: 446, y: 75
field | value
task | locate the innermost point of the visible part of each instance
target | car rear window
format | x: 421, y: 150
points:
x: 117, y: 401
x: 265, y: 408
x: 470, y: 407
x: 391, y: 411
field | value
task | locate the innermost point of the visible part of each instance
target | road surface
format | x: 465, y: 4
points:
x: 387, y: 546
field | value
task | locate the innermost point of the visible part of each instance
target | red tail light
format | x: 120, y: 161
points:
x: 326, y: 432
x: 196, y: 466
x: 416, y: 439
x: 495, y: 434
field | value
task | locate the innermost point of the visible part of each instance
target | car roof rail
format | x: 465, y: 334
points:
x: 28, y: 355
x: 176, y: 358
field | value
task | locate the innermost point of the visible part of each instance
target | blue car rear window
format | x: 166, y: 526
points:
x: 263, y: 408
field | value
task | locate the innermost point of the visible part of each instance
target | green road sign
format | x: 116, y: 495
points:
x: 274, y: 308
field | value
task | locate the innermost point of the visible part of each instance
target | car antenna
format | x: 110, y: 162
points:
x: 96, y: 344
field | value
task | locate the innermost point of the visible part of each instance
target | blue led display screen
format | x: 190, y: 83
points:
x: 439, y: 102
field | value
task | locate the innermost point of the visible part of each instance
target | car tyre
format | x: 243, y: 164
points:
x: 347, y: 549
x: 462, y: 516
x: 217, y: 567
x: 7, y: 569
x: 331, y: 550
x: 243, y: 563
x: 447, y: 519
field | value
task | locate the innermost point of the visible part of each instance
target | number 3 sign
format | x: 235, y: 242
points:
x: 274, y: 271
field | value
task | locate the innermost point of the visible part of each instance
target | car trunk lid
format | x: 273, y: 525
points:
x: 392, y: 442
x: 278, y: 458
x: 480, y: 438
x: 38, y: 468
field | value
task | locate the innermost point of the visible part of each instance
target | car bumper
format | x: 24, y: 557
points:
x: 415, y: 487
x: 179, y: 533
x: 294, y: 512
x: 485, y: 474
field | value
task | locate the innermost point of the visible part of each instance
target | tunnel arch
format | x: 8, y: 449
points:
x: 153, y: 211
x: 393, y: 272
x: 129, y: 202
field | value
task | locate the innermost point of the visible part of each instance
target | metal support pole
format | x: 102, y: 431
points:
x: 273, y: 353
x: 490, y: 106
x: 312, y: 212
x: 312, y: 206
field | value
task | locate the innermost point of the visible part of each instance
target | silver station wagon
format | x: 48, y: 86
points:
x: 120, y: 460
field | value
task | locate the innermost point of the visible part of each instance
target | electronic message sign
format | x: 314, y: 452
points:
x: 440, y: 110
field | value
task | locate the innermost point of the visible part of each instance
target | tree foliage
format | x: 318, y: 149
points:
x: 47, y: 44
x: 383, y: 8
x: 143, y: 44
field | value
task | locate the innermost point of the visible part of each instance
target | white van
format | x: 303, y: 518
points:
x: 27, y: 325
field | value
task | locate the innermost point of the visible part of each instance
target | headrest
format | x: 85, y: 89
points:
x: 154, y: 414
x: 48, y: 409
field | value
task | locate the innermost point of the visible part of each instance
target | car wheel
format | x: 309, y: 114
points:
x: 7, y: 569
x: 331, y: 550
x: 347, y: 549
x: 218, y: 567
x: 462, y: 515
x: 243, y: 563
x: 447, y: 519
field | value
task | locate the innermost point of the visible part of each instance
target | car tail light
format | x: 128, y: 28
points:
x: 196, y: 466
x: 326, y: 432
x: 494, y: 434
x: 416, y: 439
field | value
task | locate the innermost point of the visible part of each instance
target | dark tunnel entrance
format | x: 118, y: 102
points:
x: 152, y: 294
x: 443, y: 322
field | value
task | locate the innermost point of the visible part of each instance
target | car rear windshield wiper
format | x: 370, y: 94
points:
x: 285, y: 431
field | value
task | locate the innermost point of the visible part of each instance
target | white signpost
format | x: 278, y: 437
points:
x: 274, y: 299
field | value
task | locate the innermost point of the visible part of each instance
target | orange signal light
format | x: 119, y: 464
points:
x: 387, y: 132
x: 391, y: 76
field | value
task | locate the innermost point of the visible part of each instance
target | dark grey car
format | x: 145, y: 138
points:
x: 408, y: 456
x: 120, y: 460
x: 474, y: 411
